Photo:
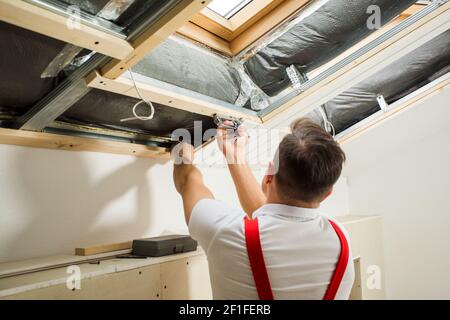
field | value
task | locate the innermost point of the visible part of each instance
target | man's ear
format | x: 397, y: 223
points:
x: 268, y: 178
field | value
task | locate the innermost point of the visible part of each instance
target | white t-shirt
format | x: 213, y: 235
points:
x: 300, y: 249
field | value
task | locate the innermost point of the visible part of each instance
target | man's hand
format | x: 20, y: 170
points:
x: 183, y: 153
x: 234, y: 147
x: 233, y: 144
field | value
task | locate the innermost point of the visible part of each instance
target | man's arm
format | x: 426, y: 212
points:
x: 188, y: 179
x: 248, y: 189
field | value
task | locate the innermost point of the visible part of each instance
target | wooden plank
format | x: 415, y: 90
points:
x: 104, y: 248
x: 34, y: 18
x: 167, y: 97
x: 69, y: 143
x: 412, y: 10
x: 214, y: 23
x: 194, y: 32
x: 154, y: 36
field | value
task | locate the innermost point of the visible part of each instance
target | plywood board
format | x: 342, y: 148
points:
x: 138, y: 284
x: 186, y: 279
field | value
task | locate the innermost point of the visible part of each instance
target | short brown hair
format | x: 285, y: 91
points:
x: 310, y: 162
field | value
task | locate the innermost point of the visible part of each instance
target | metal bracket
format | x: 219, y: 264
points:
x: 439, y: 2
x: 297, y: 78
x: 382, y: 103
x: 220, y: 120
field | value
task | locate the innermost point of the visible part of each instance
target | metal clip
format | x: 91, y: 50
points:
x: 382, y: 103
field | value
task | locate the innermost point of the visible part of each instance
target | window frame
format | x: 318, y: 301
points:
x: 231, y: 36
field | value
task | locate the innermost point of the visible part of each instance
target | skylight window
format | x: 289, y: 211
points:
x: 228, y: 8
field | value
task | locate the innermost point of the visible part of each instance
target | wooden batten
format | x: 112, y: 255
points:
x: 70, y: 143
x: 105, y: 248
x: 31, y: 17
x: 167, y: 97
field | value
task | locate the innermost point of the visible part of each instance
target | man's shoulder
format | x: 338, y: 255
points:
x: 209, y: 217
x: 217, y: 208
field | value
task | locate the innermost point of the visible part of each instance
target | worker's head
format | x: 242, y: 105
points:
x: 308, y: 163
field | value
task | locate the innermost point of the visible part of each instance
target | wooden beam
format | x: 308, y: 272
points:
x: 154, y: 36
x: 194, y: 32
x: 31, y: 17
x: 69, y: 143
x: 105, y: 248
x: 168, y: 96
x: 412, y: 10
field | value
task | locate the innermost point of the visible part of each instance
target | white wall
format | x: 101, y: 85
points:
x: 401, y: 170
x: 52, y: 201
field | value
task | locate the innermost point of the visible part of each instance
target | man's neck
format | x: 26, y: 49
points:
x: 294, y: 203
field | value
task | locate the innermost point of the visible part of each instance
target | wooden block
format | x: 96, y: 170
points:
x: 89, y: 251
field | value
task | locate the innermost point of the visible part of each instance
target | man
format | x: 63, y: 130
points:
x: 302, y: 251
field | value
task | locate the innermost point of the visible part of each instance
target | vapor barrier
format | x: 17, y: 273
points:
x: 184, y: 64
x: 103, y: 109
x: 22, y: 61
x: 317, y: 38
x: 394, y: 82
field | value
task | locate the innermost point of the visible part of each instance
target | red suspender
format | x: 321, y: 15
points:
x: 256, y: 257
x: 340, y: 267
x: 258, y: 266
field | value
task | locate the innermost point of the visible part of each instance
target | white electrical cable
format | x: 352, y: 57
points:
x: 332, y: 128
x: 148, y: 102
x: 327, y: 123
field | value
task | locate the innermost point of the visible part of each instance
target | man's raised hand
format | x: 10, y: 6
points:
x: 233, y: 144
